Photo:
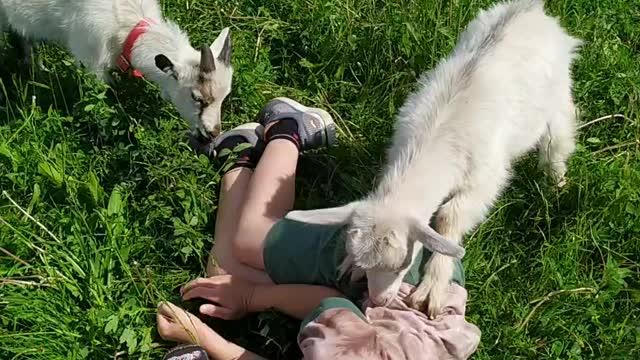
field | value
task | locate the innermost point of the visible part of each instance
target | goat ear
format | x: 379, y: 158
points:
x: 221, y: 47
x: 434, y: 241
x: 165, y: 65
x: 207, y: 64
x: 336, y: 215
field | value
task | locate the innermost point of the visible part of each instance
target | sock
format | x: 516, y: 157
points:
x: 284, y: 129
x: 245, y: 158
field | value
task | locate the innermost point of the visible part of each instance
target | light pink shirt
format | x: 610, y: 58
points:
x: 392, y: 333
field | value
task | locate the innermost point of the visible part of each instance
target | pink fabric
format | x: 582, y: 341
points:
x: 392, y: 333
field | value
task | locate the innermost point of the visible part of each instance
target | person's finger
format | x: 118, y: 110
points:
x: 162, y: 305
x: 199, y: 283
x: 207, y: 293
x: 216, y: 311
x: 159, y: 318
x: 204, y: 282
x: 166, y: 309
x: 194, y: 283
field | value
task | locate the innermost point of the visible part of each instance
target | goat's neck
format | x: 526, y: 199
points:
x: 421, y: 204
x: 166, y: 39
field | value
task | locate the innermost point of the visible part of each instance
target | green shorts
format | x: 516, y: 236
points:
x: 301, y: 253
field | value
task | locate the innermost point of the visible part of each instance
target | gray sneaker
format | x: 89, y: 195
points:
x: 315, y: 126
x: 250, y: 133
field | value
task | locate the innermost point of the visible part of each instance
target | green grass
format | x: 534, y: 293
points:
x: 128, y: 209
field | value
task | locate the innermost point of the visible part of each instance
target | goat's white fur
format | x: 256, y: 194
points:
x: 505, y: 89
x: 94, y: 31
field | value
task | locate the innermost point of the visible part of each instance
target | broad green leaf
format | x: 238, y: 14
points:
x: 241, y: 147
x: 115, y: 203
x: 94, y: 187
x: 112, y: 324
x: 14, y: 157
x: 50, y: 171
x: 129, y: 337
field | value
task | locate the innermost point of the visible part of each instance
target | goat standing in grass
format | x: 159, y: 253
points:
x: 505, y: 89
x: 132, y: 33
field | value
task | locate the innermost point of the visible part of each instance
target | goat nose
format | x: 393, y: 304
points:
x: 201, y: 143
x: 381, y: 300
x: 212, y: 134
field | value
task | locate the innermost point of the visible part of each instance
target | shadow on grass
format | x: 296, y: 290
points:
x: 530, y: 216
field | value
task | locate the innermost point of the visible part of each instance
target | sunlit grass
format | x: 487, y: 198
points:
x: 128, y: 209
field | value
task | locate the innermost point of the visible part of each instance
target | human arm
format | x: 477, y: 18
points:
x: 229, y: 351
x: 295, y: 300
x: 235, y: 297
x: 177, y: 324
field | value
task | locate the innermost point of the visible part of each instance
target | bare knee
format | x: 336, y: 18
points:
x: 243, y: 251
x: 248, y: 243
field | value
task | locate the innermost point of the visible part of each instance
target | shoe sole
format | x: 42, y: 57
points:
x: 330, y: 130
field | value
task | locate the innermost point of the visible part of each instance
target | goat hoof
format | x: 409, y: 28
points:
x: 417, y: 298
x: 562, y: 182
x: 434, y: 307
x: 430, y: 299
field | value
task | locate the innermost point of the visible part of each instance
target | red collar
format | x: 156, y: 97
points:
x: 124, y: 60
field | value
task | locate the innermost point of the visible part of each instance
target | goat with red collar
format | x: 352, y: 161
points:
x: 133, y: 36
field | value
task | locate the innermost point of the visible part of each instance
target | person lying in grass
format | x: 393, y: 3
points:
x: 263, y: 261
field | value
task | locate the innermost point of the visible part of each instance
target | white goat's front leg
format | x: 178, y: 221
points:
x: 461, y: 214
x: 557, y: 144
x: 434, y: 285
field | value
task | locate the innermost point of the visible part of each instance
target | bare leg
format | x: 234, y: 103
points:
x: 232, y: 194
x: 176, y: 324
x: 289, y: 127
x: 232, y: 198
x: 270, y: 196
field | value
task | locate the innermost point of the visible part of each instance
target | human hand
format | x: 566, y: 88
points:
x: 232, y: 296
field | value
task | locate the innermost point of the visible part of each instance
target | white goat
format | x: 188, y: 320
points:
x: 96, y: 32
x: 505, y: 88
